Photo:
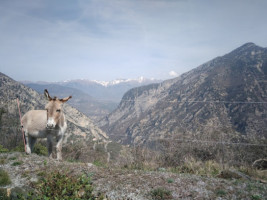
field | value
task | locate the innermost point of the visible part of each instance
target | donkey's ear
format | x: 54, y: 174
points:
x: 65, y: 99
x: 47, y: 95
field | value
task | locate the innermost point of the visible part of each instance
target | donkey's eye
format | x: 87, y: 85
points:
x: 58, y: 110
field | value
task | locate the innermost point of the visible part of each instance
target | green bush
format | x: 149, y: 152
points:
x: 221, y: 193
x: 4, y: 178
x: 58, y: 185
x: 40, y: 149
x: 19, y: 148
x: 12, y: 158
x: 2, y: 161
x: 161, y: 194
x: 3, y: 150
x: 16, y: 163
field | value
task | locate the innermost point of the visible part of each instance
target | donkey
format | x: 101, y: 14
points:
x: 46, y: 123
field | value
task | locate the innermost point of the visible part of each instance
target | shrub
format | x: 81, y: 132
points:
x: 58, y: 185
x: 161, y: 194
x: 19, y: 148
x: 16, y: 163
x: 4, y: 178
x: 12, y: 158
x: 40, y: 149
x: 3, y: 150
x: 2, y: 161
x: 220, y: 193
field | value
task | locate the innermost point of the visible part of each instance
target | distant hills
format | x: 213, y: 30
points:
x: 225, y: 97
x: 95, y: 99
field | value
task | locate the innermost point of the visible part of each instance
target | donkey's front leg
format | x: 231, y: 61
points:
x: 59, y: 147
x: 50, y: 145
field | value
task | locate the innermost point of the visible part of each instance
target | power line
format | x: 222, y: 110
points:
x: 183, y: 140
x: 213, y: 142
x: 193, y: 101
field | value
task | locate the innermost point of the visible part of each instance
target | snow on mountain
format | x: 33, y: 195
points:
x: 139, y: 80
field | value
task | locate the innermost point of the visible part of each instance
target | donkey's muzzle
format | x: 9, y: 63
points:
x: 50, y: 123
x: 50, y: 126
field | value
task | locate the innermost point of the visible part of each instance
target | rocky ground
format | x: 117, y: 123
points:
x: 130, y: 184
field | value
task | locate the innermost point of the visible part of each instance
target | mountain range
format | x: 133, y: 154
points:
x: 96, y: 99
x: 223, y: 98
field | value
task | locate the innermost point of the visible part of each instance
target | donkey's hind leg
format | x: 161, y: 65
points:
x: 27, y: 140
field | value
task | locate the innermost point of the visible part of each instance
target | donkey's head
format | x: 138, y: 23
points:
x: 54, y: 109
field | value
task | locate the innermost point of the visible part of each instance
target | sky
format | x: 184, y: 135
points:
x: 57, y: 40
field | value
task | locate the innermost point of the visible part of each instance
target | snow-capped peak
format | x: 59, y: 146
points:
x: 139, y: 80
x: 119, y: 81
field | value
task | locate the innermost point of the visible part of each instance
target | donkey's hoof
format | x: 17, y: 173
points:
x: 28, y: 151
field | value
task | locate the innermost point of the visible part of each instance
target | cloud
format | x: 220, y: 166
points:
x: 151, y: 38
x: 173, y: 73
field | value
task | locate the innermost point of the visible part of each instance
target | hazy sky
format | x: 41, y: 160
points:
x: 53, y: 40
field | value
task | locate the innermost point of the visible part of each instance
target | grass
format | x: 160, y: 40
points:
x: 4, y: 178
x: 208, y: 168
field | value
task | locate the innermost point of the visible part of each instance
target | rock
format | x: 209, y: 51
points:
x: 233, y: 174
x: 260, y: 164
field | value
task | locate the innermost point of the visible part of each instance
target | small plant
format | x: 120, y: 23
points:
x: 161, y: 194
x: 41, y: 173
x: 4, y: 178
x: 256, y: 197
x: 12, y: 158
x: 220, y: 193
x: 98, y: 163
x: 3, y: 150
x: 16, y: 163
x: 45, y: 162
x: 170, y: 180
x: 2, y: 161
